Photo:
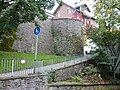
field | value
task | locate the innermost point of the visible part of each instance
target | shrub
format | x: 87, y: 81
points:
x: 51, y: 76
x: 90, y: 74
x: 89, y: 70
x: 77, y: 79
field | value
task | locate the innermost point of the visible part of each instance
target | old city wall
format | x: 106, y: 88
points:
x: 40, y: 81
x: 67, y: 72
x: 33, y: 82
x: 61, y: 36
x: 26, y: 38
x: 67, y: 36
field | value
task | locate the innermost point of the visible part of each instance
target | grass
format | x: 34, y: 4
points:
x: 29, y: 58
x: 20, y: 55
x: 46, y: 58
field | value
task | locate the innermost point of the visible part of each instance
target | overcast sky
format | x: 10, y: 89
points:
x: 72, y: 3
x: 90, y: 4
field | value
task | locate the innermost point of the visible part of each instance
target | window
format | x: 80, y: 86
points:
x: 58, y: 13
x: 83, y: 20
x: 82, y: 8
x: 88, y: 22
x: 68, y: 11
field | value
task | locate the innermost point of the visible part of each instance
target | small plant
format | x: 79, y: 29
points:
x: 77, y: 79
x: 90, y: 74
x: 89, y: 70
x: 51, y: 76
x: 96, y: 78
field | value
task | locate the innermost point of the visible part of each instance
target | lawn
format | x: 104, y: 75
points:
x: 20, y: 55
x: 6, y: 60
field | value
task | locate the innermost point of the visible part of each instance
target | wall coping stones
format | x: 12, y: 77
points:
x: 67, y: 19
x: 21, y: 77
x: 71, y: 65
x: 79, y: 84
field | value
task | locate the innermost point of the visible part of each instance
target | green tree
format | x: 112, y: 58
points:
x: 107, y: 35
x: 15, y: 12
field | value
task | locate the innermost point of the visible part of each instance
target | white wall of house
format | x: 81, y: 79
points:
x: 90, y: 46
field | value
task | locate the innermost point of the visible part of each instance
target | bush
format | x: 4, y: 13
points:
x: 90, y: 74
x: 89, y: 70
x: 77, y: 79
x: 104, y: 63
x: 51, y: 76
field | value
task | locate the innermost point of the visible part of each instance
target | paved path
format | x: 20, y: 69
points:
x: 46, y: 68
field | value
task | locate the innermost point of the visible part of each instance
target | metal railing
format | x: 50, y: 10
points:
x: 11, y: 67
x: 17, y: 67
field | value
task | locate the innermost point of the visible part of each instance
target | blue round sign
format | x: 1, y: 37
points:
x: 37, y: 30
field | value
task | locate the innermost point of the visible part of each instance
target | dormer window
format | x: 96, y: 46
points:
x: 68, y: 11
x: 82, y: 8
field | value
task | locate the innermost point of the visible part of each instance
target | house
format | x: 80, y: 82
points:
x: 79, y: 12
x: 66, y: 11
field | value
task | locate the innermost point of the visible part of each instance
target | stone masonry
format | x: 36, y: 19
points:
x: 67, y: 38
x: 26, y: 41
x: 60, y: 36
x: 68, y: 72
x: 33, y: 82
x: 79, y: 86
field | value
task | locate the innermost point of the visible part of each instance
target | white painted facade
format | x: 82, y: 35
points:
x: 90, y: 46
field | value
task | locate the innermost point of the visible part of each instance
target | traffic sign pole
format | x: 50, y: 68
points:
x: 35, y: 57
x: 36, y: 47
x: 36, y: 32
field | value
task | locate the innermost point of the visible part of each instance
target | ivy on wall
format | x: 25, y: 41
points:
x: 7, y: 39
x: 53, y: 31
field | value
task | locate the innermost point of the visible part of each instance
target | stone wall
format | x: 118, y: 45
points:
x: 61, y: 36
x: 79, y: 86
x: 68, y: 72
x: 26, y: 38
x: 67, y: 38
x: 26, y: 41
x: 34, y: 82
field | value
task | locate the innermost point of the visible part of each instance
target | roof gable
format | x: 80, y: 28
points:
x: 62, y: 3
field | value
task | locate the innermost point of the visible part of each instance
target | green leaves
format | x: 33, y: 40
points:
x: 11, y: 15
x: 106, y: 14
x: 15, y: 12
x: 107, y: 35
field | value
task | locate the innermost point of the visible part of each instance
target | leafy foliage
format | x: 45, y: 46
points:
x: 7, y: 40
x: 90, y: 73
x: 107, y: 35
x: 15, y: 12
x: 51, y: 76
x: 89, y: 70
x: 101, y: 56
x: 77, y: 79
